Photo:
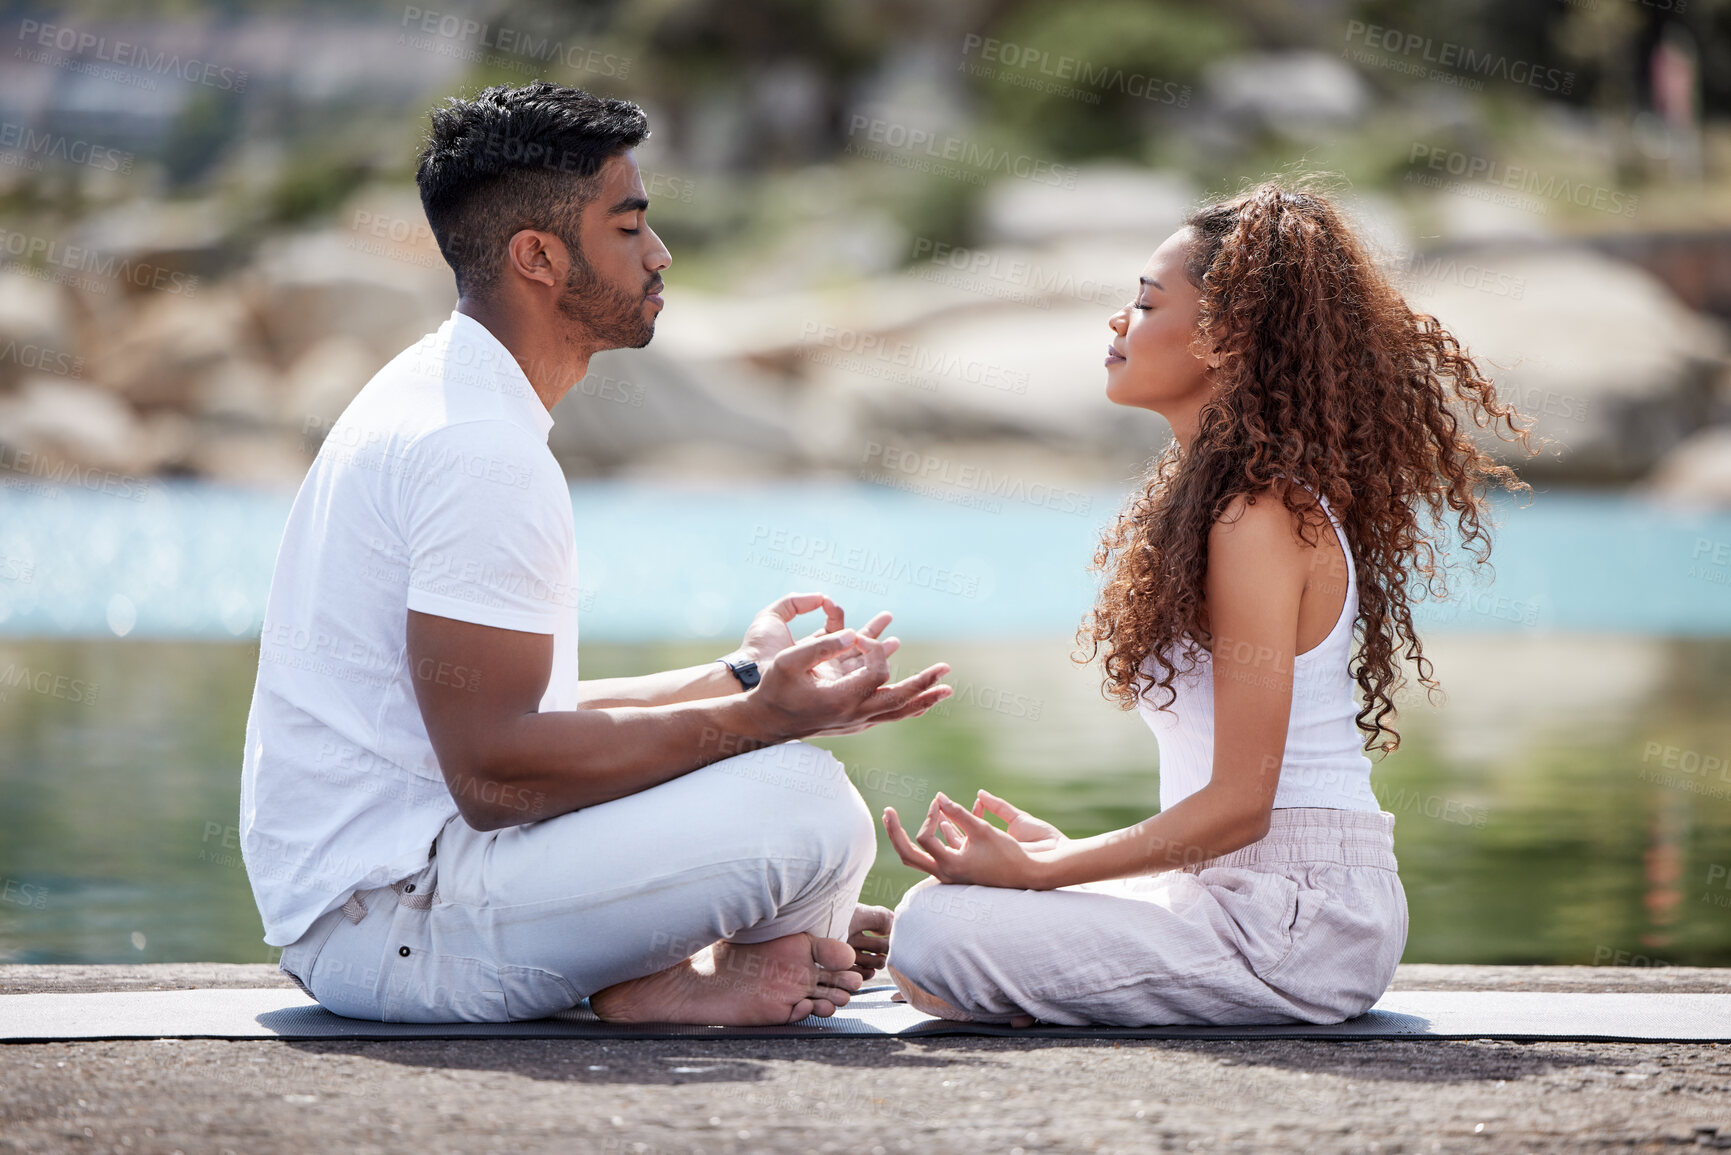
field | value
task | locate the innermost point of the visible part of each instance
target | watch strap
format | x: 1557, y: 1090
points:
x: 746, y: 672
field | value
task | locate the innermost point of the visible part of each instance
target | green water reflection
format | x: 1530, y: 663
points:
x: 1570, y: 800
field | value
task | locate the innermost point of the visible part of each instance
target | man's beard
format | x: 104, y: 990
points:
x: 613, y: 317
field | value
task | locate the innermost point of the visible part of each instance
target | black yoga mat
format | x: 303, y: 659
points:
x: 289, y: 1014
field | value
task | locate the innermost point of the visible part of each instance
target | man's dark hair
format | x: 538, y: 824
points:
x: 512, y: 159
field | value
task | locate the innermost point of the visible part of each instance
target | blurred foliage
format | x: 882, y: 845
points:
x: 314, y: 184
x: 1139, y: 43
x: 745, y: 93
x: 1607, y: 43
x: 693, y: 44
x: 206, y: 127
x: 85, y: 11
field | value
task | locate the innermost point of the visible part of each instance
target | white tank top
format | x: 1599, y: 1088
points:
x: 1324, y: 764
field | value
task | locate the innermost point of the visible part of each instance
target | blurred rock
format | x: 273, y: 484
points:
x: 1379, y: 223
x: 637, y: 404
x: 75, y: 422
x: 168, y: 439
x: 776, y: 331
x: 1695, y: 264
x: 239, y: 390
x: 1467, y: 216
x: 382, y: 220
x: 879, y: 337
x: 1009, y: 371
x: 1297, y: 94
x: 273, y: 459
x: 324, y: 379
x: 770, y: 328
x: 1697, y: 472
x: 862, y: 243
x: 1605, y: 359
x: 150, y: 239
x: 32, y: 313
x: 170, y: 342
x: 314, y: 286
x: 1104, y: 199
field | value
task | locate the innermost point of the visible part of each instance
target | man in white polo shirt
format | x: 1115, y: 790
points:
x: 439, y: 820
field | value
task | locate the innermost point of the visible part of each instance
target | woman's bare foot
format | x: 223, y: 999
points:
x: 921, y: 999
x: 739, y: 985
x: 917, y: 997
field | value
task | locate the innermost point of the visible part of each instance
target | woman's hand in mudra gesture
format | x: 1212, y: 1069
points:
x: 956, y: 845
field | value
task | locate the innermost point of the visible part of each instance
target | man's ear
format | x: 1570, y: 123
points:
x: 537, y: 256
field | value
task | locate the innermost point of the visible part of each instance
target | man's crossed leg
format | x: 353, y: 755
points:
x: 725, y: 896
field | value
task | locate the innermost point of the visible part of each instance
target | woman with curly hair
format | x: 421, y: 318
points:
x: 1268, y: 566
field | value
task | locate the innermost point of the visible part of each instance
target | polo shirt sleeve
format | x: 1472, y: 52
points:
x: 486, y: 520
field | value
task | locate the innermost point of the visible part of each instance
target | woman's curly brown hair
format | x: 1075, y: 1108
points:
x: 1327, y: 378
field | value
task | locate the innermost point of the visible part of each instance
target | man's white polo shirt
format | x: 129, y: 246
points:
x: 434, y: 492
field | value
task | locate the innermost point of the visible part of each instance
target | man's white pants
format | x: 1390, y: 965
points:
x: 524, y: 921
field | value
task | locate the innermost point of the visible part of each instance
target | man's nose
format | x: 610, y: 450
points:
x: 659, y: 258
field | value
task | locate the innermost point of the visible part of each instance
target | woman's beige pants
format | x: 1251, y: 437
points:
x: 1305, y: 925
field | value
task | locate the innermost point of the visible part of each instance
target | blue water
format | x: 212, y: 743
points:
x: 193, y: 560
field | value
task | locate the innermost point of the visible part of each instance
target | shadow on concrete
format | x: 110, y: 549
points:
x: 654, y: 1062
x: 673, y: 1062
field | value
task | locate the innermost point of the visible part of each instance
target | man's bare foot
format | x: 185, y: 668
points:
x: 739, y: 985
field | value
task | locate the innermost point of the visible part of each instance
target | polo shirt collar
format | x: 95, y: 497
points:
x: 520, y: 401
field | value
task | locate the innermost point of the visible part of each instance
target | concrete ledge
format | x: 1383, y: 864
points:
x: 1461, y: 977
x: 79, y: 978
x: 895, y: 1096
x: 84, y: 978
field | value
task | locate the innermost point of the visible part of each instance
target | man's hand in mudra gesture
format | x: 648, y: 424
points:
x: 771, y: 632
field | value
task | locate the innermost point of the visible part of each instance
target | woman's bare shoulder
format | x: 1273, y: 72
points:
x: 1261, y: 516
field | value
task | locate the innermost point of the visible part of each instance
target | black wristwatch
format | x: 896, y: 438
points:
x: 746, y: 672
